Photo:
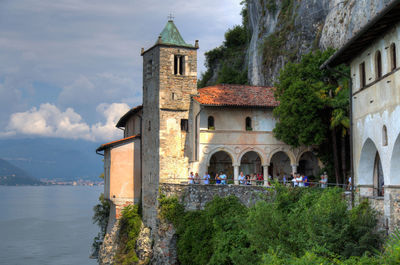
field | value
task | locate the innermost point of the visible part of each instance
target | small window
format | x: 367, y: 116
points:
x: 393, y: 56
x: 184, y: 125
x: 149, y: 70
x: 149, y: 128
x: 211, y: 123
x: 362, y: 75
x: 248, y: 124
x: 173, y: 96
x: 378, y: 64
x: 178, y: 65
x: 384, y: 136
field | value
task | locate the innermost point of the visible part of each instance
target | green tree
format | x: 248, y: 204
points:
x: 226, y: 63
x: 313, y: 106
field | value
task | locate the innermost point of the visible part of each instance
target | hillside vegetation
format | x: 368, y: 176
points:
x: 289, y: 226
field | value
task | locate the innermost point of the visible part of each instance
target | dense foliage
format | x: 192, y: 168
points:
x: 100, y: 217
x: 226, y: 63
x: 290, y: 226
x: 130, y: 223
x: 314, y: 106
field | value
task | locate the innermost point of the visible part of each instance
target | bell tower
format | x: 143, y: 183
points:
x: 169, y: 81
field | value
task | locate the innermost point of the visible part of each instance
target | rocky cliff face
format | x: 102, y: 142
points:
x: 283, y: 30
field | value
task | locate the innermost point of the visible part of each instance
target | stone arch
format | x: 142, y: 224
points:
x: 280, y: 163
x: 366, y: 165
x: 254, y: 149
x: 288, y: 153
x: 308, y: 163
x: 225, y: 149
x: 221, y: 161
x: 395, y: 163
x: 251, y: 162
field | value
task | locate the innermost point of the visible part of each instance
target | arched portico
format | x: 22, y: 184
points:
x: 280, y: 164
x: 221, y: 161
x: 365, y: 171
x: 250, y: 163
x: 395, y: 163
x: 308, y: 164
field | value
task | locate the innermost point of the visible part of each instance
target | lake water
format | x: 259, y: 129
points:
x: 47, y: 224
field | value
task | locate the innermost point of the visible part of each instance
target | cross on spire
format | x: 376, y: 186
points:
x: 170, y: 17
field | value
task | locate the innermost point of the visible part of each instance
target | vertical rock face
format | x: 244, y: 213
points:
x: 283, y: 31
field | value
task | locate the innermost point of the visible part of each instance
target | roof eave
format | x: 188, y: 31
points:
x: 170, y: 45
x: 335, y: 58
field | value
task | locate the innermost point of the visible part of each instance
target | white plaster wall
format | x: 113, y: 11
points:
x: 235, y: 118
x: 376, y: 105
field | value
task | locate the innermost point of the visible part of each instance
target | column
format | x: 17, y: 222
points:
x: 265, y: 168
x: 294, y: 169
x: 236, y: 173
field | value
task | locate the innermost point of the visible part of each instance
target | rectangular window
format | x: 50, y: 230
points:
x: 178, y: 65
x: 362, y: 75
x: 149, y: 70
x: 185, y: 125
x: 175, y: 65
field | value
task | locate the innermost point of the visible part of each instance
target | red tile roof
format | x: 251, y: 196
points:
x: 110, y: 144
x: 237, y: 96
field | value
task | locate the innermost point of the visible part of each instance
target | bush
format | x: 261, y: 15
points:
x: 130, y: 223
x: 100, y: 217
x: 289, y: 226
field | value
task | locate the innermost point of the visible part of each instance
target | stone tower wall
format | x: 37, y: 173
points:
x: 166, y: 101
x: 150, y: 135
x: 174, y: 143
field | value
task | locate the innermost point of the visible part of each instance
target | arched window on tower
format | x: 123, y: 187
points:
x: 178, y: 65
x: 393, y: 56
x: 378, y: 64
x: 384, y: 136
x: 210, y: 123
x: 248, y: 124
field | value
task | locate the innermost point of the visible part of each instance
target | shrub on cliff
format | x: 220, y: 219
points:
x: 301, y: 220
x: 291, y: 226
x: 130, y: 223
x: 215, y: 235
x: 100, y: 217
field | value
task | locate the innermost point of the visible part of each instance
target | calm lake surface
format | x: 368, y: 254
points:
x: 47, y: 224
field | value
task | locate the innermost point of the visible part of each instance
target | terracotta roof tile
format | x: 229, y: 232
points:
x: 110, y: 144
x: 237, y: 95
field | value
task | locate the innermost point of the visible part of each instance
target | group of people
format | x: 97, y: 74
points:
x: 220, y: 179
x: 250, y: 179
x: 298, y: 180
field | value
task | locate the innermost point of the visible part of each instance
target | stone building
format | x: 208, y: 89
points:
x: 374, y: 62
x: 180, y: 129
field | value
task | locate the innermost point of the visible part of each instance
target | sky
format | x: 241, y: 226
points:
x: 71, y: 68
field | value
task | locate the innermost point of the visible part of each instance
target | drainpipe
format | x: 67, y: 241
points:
x: 350, y: 129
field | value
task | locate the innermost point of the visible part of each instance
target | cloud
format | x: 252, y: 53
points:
x: 112, y: 113
x: 81, y: 53
x: 50, y: 121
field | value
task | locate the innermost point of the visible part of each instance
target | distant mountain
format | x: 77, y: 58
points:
x: 11, y: 175
x: 54, y: 158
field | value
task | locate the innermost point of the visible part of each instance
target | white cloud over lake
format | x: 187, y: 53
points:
x: 49, y: 121
x: 63, y: 59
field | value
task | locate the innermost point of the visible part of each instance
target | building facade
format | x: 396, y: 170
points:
x: 181, y: 129
x: 374, y: 63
